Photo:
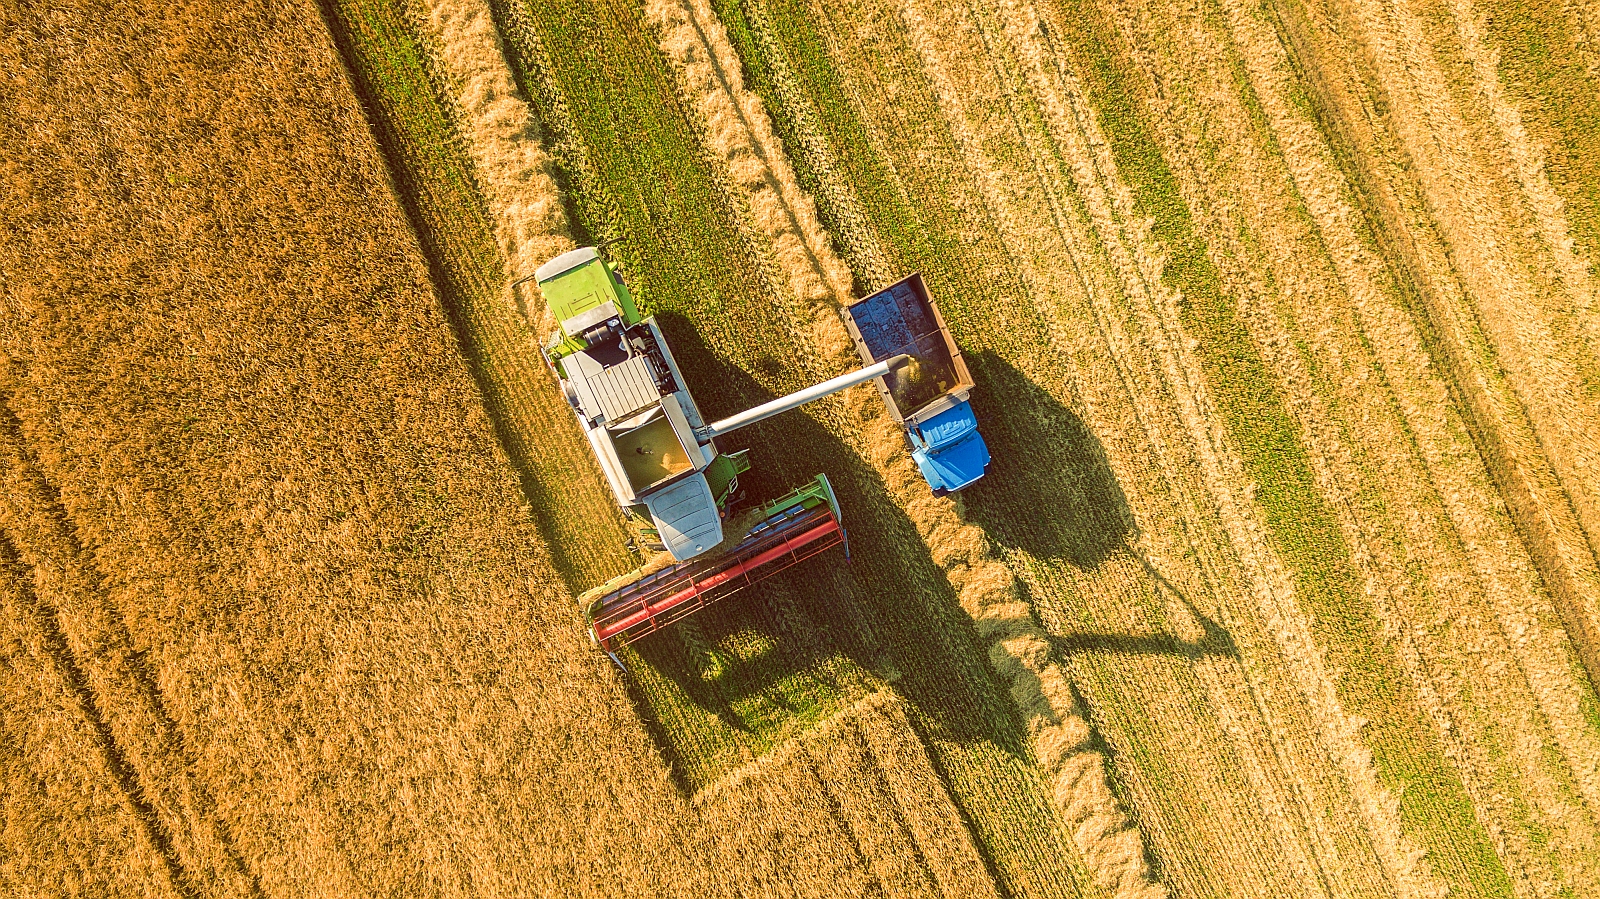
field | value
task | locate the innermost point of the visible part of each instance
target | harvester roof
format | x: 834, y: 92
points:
x: 577, y: 285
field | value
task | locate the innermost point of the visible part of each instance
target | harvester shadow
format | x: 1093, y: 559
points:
x: 1043, y: 457
x: 889, y: 618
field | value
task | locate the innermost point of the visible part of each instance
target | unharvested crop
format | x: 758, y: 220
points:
x: 1283, y: 580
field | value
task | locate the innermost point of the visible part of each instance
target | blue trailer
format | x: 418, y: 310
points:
x: 929, y: 395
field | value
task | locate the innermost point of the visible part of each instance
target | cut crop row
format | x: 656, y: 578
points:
x: 1288, y: 533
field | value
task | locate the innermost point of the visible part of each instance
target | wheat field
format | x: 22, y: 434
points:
x: 1284, y: 579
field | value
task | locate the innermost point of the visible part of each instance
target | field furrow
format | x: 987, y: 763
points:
x: 1007, y: 160
x: 75, y: 822
x: 1415, y: 553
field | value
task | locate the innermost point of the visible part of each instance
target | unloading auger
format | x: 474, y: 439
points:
x: 661, y: 460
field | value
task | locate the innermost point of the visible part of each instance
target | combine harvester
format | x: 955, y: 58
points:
x: 661, y: 459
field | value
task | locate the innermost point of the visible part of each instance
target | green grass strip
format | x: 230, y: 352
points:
x: 1434, y: 807
x: 599, y: 82
x: 636, y: 171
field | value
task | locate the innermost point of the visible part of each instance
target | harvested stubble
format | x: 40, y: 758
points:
x: 913, y: 126
x: 1443, y: 612
x: 1341, y: 85
x: 1516, y: 319
x: 1450, y: 579
x: 1548, y: 688
x: 741, y: 134
x: 247, y: 468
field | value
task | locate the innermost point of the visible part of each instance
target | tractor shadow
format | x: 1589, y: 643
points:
x: 801, y: 643
x: 1049, y: 490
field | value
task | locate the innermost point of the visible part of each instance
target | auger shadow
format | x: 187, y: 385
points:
x: 1214, y: 640
x: 1050, y: 493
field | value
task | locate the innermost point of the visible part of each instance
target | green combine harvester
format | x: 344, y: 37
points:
x: 661, y: 460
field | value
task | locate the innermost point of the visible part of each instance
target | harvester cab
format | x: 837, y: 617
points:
x: 661, y: 460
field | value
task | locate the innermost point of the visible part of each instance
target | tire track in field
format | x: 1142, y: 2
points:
x: 1514, y: 295
x: 1466, y: 624
x: 941, y: 32
x: 741, y: 136
x: 45, y: 621
x: 118, y: 695
x: 1527, y: 162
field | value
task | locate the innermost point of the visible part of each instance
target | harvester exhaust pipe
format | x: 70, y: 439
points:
x: 801, y: 397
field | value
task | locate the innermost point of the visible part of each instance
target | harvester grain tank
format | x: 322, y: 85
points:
x: 661, y: 460
x: 928, y: 396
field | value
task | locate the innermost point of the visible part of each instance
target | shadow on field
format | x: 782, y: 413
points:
x: 1049, y: 491
x: 1214, y: 640
x: 824, y: 631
